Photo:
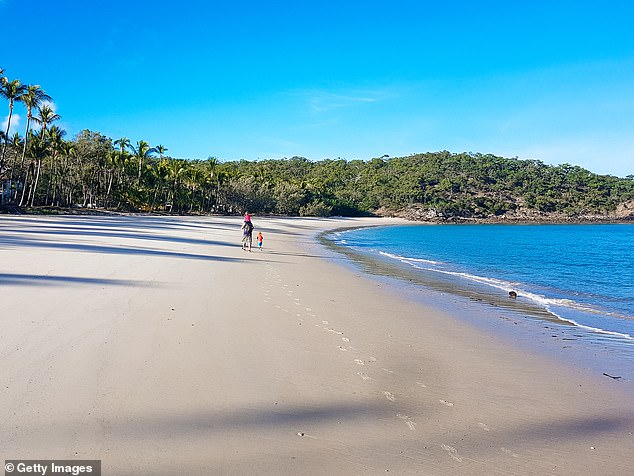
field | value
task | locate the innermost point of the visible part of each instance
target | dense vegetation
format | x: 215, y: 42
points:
x: 44, y: 169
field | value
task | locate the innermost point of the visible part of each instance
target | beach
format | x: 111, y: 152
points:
x: 158, y: 346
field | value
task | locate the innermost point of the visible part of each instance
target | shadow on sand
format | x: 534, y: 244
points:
x: 13, y: 279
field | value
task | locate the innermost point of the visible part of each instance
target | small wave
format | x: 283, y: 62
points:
x: 407, y: 259
x: 597, y: 330
x: 543, y: 301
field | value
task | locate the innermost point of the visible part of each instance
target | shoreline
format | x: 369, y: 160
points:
x: 533, y: 327
x: 158, y: 346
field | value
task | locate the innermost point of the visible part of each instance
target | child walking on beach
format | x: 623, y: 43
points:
x: 260, y: 238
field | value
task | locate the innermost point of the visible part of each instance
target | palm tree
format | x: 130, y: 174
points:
x: 37, y: 147
x: 196, y: 176
x: 16, y: 141
x: 142, y: 152
x: 55, y: 145
x: 123, y: 143
x: 214, y: 179
x: 59, y: 196
x: 123, y: 156
x: 176, y: 169
x: 13, y: 91
x: 32, y: 98
x: 45, y: 116
x: 160, y: 149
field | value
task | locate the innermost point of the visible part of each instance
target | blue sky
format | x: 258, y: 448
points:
x: 550, y: 80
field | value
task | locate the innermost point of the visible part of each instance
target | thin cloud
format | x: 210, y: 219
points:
x: 321, y: 101
x: 50, y: 104
x: 15, y: 121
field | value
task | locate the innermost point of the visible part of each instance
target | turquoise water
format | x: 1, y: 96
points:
x: 581, y: 275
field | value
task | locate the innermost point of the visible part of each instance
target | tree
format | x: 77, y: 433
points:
x: 211, y: 166
x: 142, y: 152
x: 91, y: 153
x: 55, y: 146
x: 13, y: 91
x: 16, y: 141
x: 52, y: 144
x: 160, y: 149
x: 175, y: 171
x: 33, y: 97
x: 123, y: 143
x: 45, y: 116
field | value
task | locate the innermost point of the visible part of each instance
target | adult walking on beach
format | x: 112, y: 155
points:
x: 247, y: 232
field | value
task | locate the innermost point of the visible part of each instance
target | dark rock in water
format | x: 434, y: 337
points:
x: 512, y: 295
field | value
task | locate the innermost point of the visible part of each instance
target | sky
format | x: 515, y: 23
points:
x: 546, y: 80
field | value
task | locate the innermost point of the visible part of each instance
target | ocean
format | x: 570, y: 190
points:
x: 575, y: 281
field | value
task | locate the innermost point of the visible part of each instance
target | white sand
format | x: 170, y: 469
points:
x: 158, y: 346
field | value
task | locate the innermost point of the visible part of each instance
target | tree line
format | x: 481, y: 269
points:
x: 42, y: 168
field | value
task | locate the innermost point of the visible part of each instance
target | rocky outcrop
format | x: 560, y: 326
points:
x: 624, y: 212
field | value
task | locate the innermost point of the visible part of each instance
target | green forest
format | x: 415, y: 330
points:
x: 44, y: 170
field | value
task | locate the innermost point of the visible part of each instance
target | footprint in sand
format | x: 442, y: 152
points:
x: 364, y: 376
x: 345, y: 339
x: 324, y: 322
x: 509, y: 452
x: 407, y: 420
x: 445, y: 402
x: 390, y: 396
x: 308, y: 309
x: 359, y: 362
x: 484, y: 426
x: 452, y: 452
x: 342, y: 349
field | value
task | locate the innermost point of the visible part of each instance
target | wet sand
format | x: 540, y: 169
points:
x: 158, y: 346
